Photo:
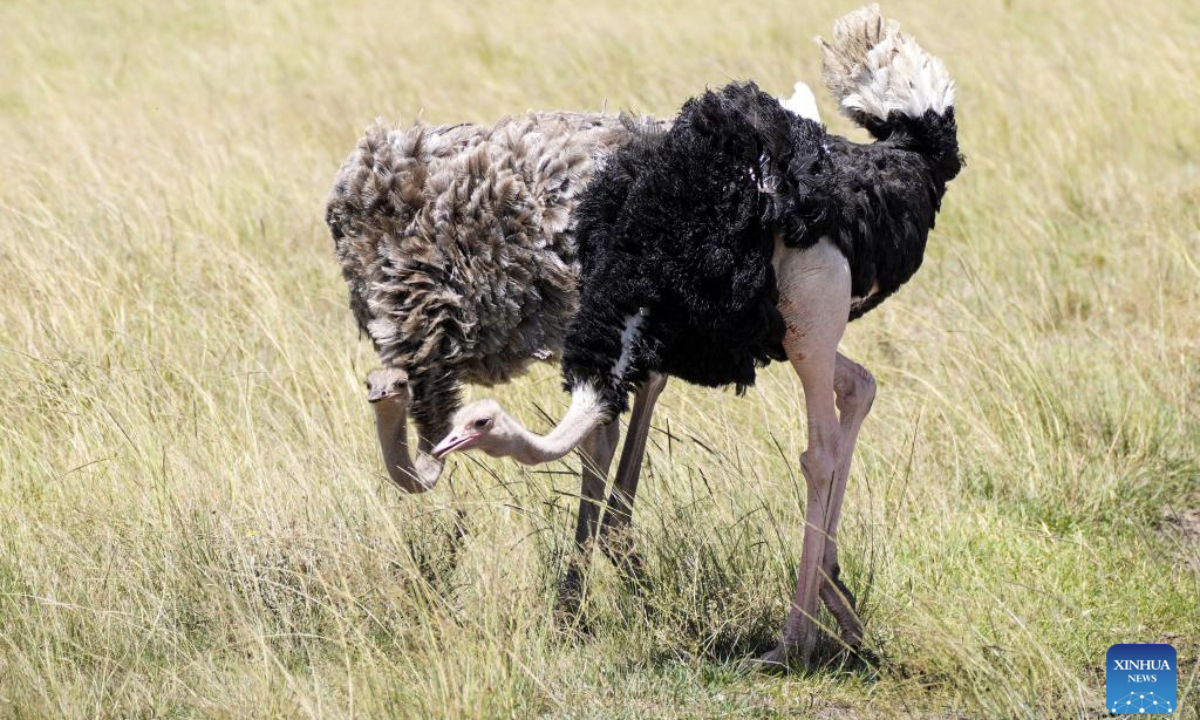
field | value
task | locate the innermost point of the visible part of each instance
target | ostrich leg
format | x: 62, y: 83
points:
x: 855, y: 390
x: 596, y: 451
x: 618, y: 514
x: 814, y: 290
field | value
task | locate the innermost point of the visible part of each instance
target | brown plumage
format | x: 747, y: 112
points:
x: 456, y: 243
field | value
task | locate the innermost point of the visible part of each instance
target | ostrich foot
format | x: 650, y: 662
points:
x: 780, y: 658
x: 570, y: 591
x: 618, y: 547
x: 842, y: 605
x: 568, y: 605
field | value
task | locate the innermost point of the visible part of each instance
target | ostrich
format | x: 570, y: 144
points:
x: 745, y: 234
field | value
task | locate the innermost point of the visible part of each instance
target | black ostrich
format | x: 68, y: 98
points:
x: 746, y: 234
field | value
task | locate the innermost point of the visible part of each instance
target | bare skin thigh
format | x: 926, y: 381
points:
x: 814, y: 289
x: 618, y: 514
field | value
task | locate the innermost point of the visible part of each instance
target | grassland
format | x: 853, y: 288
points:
x: 194, y: 521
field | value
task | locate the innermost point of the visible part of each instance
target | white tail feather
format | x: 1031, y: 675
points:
x: 873, y: 68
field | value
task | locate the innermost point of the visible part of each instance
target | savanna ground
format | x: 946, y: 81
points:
x: 194, y: 521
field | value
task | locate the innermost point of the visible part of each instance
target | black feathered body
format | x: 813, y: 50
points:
x: 677, y: 234
x: 457, y: 245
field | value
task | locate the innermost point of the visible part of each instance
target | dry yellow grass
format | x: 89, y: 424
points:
x: 193, y: 519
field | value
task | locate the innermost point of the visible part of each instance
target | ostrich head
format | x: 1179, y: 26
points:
x: 485, y: 426
x: 388, y: 385
x: 482, y: 425
x: 389, y: 395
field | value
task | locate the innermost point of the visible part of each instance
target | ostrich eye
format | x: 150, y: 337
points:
x: 481, y: 423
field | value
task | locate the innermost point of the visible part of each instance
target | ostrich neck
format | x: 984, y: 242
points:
x: 585, y: 415
x: 391, y: 425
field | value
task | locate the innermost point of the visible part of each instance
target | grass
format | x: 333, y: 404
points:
x: 194, y: 521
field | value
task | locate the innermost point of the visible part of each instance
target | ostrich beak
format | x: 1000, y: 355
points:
x: 453, y: 443
x: 375, y: 396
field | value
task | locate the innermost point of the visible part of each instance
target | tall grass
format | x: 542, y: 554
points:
x: 193, y: 518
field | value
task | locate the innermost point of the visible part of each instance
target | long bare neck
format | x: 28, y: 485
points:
x: 391, y: 425
x: 585, y: 415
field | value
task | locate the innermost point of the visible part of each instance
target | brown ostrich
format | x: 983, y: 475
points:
x: 457, y: 245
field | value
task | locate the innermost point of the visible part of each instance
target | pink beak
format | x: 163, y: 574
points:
x: 454, y: 442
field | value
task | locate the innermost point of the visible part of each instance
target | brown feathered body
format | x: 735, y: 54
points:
x: 457, y: 245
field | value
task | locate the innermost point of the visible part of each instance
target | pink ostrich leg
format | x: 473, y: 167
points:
x: 855, y: 390
x: 814, y: 291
